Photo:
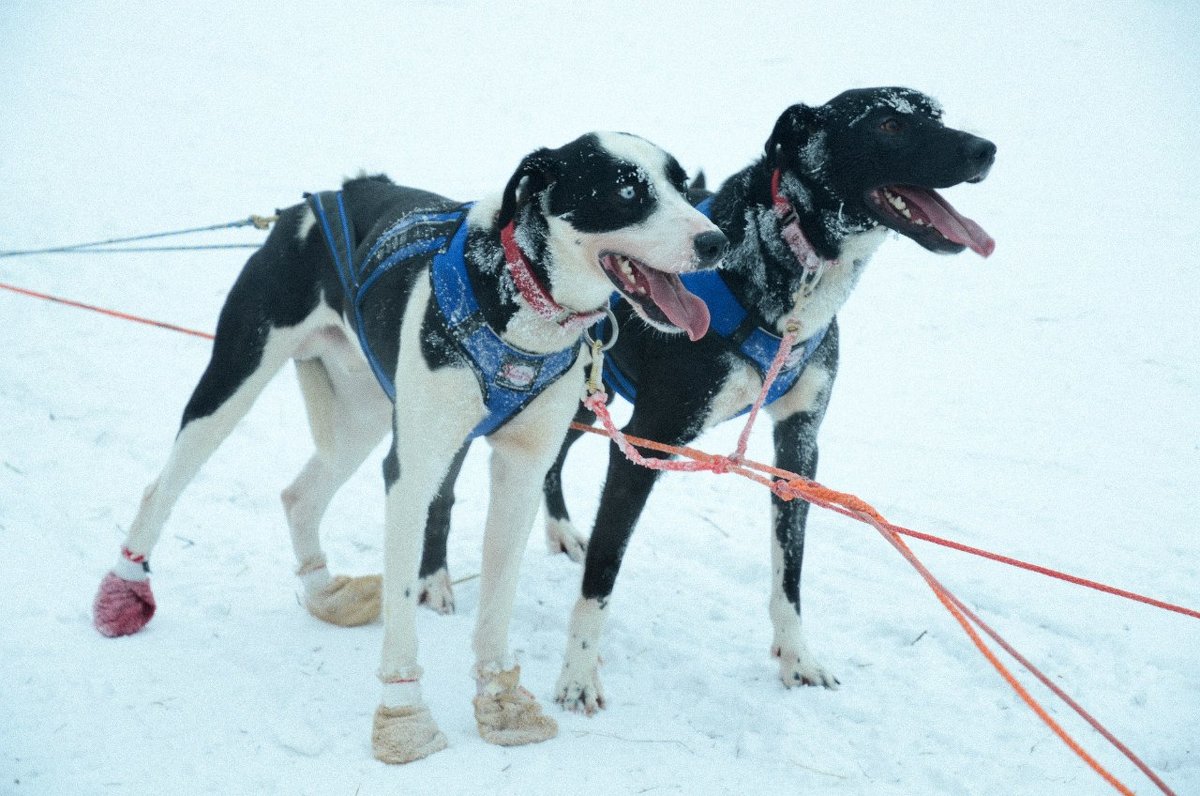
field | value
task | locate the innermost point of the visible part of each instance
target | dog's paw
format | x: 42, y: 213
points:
x: 122, y: 607
x: 437, y: 592
x: 405, y: 734
x: 346, y: 601
x: 507, y: 714
x: 579, y: 694
x: 799, y: 668
x: 562, y: 537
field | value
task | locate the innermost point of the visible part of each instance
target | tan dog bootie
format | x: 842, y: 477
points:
x: 405, y: 734
x: 507, y: 714
x: 347, y: 601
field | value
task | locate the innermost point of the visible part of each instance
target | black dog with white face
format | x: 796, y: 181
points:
x: 802, y: 223
x: 440, y: 321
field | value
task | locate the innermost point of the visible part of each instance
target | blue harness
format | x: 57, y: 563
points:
x: 509, y: 377
x: 730, y: 320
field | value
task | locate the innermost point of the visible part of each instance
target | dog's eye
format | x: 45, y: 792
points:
x: 627, y: 192
x: 891, y: 125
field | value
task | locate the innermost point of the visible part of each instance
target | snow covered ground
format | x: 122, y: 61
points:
x: 1043, y: 403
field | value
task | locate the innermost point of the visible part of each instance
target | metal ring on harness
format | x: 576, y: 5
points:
x: 595, y: 383
x: 612, y: 322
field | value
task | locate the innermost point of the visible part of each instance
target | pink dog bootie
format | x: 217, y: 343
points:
x: 122, y: 607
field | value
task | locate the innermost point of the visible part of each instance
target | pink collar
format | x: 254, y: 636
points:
x: 791, y: 232
x: 531, y: 289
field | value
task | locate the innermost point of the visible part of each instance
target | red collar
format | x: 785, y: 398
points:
x: 806, y: 255
x: 531, y: 289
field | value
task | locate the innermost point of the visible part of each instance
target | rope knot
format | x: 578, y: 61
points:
x: 786, y: 490
x: 722, y: 464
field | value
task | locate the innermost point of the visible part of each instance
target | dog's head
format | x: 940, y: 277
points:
x: 609, y: 209
x: 878, y: 154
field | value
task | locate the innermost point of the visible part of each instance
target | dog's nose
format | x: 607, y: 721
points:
x: 710, y: 248
x: 981, y: 151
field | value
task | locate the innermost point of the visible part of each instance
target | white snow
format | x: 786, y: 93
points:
x: 1042, y: 403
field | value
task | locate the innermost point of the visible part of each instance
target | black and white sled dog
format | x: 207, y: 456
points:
x: 442, y: 321
x: 802, y: 222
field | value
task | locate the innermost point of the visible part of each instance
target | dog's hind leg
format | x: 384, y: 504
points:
x: 797, y: 419
x: 561, y: 534
x: 348, y: 415
x: 244, y: 359
x: 437, y: 592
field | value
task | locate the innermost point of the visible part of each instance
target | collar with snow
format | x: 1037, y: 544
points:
x: 531, y: 289
x: 790, y: 230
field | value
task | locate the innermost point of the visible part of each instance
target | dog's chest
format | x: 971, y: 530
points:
x: 739, y: 390
x: 814, y: 306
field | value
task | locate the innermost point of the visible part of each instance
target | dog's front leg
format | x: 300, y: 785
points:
x: 795, y: 450
x: 626, y: 489
x: 431, y: 421
x: 522, y: 451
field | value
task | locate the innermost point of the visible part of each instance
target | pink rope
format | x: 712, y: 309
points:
x: 597, y: 403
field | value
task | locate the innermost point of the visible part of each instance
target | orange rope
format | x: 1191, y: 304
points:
x: 788, y: 486
x: 791, y: 478
x: 950, y: 602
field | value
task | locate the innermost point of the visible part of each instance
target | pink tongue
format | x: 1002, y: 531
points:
x: 946, y: 219
x: 684, y: 309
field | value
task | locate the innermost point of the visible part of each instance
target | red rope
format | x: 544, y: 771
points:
x: 1075, y: 579
x: 954, y: 606
x: 1046, y: 681
x: 113, y: 313
x: 692, y: 453
x: 709, y: 459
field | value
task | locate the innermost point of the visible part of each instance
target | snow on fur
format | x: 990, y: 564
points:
x: 1031, y: 404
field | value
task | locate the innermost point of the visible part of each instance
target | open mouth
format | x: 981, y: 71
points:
x: 923, y: 215
x: 658, y: 296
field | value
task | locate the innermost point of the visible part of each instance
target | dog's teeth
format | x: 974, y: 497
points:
x: 642, y: 290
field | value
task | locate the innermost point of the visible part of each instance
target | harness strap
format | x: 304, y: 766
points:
x: 329, y: 206
x: 508, y: 377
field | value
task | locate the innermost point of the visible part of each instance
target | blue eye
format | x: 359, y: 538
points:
x: 627, y: 192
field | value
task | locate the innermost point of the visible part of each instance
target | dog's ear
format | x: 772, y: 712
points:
x: 537, y: 172
x: 790, y: 134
